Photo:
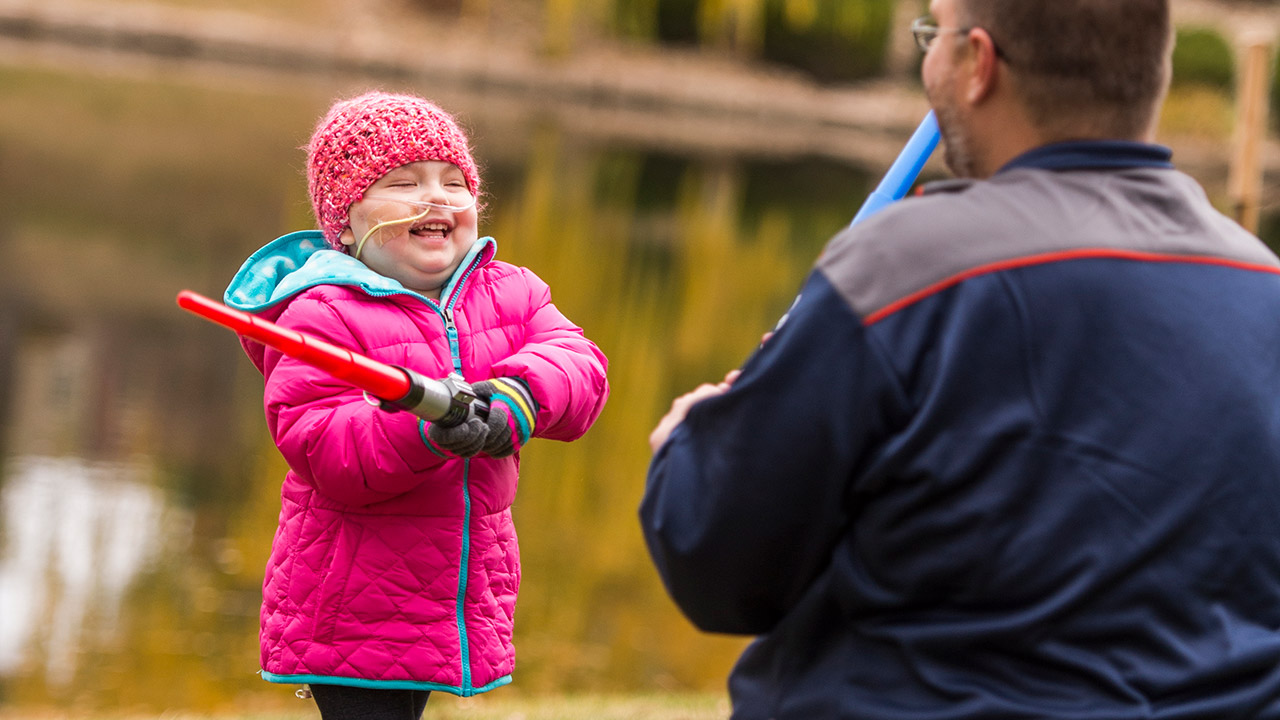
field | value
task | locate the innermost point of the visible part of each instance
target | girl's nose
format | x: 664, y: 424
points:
x: 435, y: 193
x: 448, y: 197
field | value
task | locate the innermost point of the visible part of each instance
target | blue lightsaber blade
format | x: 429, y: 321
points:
x: 904, y: 171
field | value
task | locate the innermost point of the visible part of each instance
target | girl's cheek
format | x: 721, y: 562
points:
x: 384, y: 212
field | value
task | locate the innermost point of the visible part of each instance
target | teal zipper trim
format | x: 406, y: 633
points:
x: 462, y: 577
x: 383, y: 684
x: 455, y: 354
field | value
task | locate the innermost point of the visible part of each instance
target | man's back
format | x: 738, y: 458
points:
x: 1061, y: 495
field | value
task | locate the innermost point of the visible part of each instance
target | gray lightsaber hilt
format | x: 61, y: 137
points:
x: 446, y: 402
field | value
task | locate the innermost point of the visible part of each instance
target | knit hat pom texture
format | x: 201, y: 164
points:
x: 366, y: 137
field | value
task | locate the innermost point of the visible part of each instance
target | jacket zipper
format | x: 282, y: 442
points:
x: 451, y: 333
x: 446, y: 313
x: 455, y: 355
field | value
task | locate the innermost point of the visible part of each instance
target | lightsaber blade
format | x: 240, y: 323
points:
x: 447, y: 402
x: 905, y: 169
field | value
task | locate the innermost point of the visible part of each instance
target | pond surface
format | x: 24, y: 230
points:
x: 138, y: 485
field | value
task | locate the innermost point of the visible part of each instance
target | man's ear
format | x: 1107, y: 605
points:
x: 984, y: 66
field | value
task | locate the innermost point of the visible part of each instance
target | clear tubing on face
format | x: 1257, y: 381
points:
x: 470, y: 203
x: 429, y: 206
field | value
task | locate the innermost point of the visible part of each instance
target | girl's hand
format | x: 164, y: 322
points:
x: 464, y: 440
x: 513, y: 413
x: 680, y: 408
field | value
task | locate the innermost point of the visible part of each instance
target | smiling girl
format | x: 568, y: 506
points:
x: 395, y: 567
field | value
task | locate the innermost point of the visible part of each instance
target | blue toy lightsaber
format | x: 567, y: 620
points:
x: 904, y: 171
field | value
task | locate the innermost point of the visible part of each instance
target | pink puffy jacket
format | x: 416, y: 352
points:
x: 393, y: 565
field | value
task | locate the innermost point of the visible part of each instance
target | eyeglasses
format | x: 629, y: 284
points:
x: 925, y: 32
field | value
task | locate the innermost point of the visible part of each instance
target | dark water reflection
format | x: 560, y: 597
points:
x: 138, y: 486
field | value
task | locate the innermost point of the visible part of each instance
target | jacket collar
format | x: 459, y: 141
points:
x: 297, y: 261
x: 1093, y: 155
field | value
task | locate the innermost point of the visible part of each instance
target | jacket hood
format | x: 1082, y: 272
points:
x: 300, y: 260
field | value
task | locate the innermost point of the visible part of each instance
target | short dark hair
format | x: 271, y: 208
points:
x: 1098, y: 66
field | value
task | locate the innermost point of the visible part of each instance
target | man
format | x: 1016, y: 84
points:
x: 1015, y: 451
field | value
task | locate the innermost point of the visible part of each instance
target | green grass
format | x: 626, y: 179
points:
x: 444, y: 707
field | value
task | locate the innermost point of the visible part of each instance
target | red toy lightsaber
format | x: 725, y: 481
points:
x: 448, y: 402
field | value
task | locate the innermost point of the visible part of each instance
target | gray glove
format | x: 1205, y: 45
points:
x: 512, y: 412
x: 464, y: 440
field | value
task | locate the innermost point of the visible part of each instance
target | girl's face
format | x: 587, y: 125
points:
x: 421, y: 254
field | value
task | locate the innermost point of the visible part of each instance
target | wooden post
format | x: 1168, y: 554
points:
x: 1244, y: 185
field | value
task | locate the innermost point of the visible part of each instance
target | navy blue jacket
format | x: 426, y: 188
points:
x: 1013, y: 453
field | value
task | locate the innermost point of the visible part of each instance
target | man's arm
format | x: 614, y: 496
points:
x: 749, y: 492
x: 680, y: 408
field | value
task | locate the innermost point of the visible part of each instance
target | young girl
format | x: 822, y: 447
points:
x: 394, y: 568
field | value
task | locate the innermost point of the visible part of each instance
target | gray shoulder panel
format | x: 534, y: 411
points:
x: 1021, y: 215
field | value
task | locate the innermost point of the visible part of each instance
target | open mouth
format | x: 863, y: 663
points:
x: 433, y: 229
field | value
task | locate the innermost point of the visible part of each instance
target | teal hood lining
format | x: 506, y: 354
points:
x: 300, y: 260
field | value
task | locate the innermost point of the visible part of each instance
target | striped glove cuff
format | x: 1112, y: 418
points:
x: 512, y: 414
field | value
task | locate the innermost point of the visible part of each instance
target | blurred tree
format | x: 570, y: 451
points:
x: 736, y: 26
x: 1275, y: 90
x: 560, y: 21
x: 678, y: 21
x: 1202, y: 57
x: 1269, y: 229
x: 635, y: 19
x: 450, y: 7
x: 832, y: 40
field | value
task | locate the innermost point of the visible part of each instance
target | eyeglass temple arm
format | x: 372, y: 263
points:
x: 904, y: 171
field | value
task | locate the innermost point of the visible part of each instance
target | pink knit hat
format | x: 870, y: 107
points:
x: 364, y: 138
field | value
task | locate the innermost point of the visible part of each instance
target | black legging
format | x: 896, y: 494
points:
x: 338, y: 702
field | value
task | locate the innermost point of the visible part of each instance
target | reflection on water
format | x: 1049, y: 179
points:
x: 77, y: 534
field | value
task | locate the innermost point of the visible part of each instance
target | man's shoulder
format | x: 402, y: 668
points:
x: 916, y: 241
x: 960, y: 229
x: 941, y: 211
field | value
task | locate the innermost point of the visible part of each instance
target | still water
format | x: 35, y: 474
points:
x: 138, y: 486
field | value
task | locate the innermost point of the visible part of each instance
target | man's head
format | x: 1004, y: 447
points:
x: 1044, y: 71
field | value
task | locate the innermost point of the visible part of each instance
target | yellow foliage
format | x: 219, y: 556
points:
x: 1197, y: 111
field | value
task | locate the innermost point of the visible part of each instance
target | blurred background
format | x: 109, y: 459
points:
x: 671, y: 167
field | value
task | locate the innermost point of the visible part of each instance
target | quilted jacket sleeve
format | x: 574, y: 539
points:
x: 565, y: 371
x: 348, y: 449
